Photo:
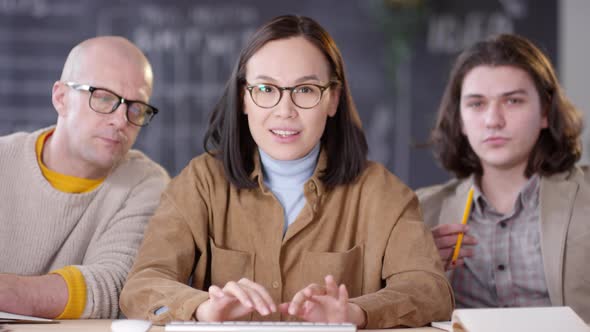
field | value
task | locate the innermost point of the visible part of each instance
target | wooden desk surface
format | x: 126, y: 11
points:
x: 104, y: 325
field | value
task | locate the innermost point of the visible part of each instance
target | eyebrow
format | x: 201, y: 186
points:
x: 505, y: 94
x: 297, y: 81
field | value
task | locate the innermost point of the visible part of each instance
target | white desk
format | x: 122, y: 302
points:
x: 104, y: 325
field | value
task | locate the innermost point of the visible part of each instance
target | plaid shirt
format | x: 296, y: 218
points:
x: 507, y: 266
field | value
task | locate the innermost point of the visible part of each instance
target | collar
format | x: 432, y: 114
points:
x: 527, y: 195
x: 298, y: 170
x: 314, y: 182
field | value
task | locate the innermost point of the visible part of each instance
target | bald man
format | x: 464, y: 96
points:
x: 74, y: 198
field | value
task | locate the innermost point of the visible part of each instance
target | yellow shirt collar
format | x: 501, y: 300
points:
x: 62, y: 182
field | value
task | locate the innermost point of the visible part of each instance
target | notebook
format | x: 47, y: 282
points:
x: 538, y: 319
x: 6, y: 317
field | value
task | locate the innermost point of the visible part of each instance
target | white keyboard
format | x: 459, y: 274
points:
x: 259, y: 327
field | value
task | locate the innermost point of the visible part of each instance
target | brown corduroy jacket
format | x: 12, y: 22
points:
x: 369, y: 235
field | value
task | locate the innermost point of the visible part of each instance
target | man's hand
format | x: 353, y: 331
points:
x: 445, y: 238
x: 235, y: 300
x: 40, y: 296
x: 327, y: 304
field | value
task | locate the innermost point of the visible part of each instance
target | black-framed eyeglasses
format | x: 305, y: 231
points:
x: 106, y: 101
x: 268, y: 95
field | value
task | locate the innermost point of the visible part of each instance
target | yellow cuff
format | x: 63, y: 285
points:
x: 76, y: 292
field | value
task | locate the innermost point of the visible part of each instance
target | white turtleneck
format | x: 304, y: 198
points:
x: 286, y: 178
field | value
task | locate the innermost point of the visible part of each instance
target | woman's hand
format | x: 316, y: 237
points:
x: 329, y: 304
x: 235, y: 300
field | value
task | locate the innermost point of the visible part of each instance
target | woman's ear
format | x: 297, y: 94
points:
x: 334, y: 91
x: 58, y: 98
x: 243, y: 96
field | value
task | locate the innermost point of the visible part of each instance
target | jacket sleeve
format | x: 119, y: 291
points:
x: 111, y: 251
x: 157, y: 288
x: 416, y: 290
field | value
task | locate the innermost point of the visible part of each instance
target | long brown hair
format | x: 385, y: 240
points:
x: 558, y: 147
x: 228, y: 136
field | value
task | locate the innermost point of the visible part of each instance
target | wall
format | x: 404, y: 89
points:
x: 397, y: 55
x: 574, y: 64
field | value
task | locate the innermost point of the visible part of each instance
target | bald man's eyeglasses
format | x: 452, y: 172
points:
x: 105, y: 101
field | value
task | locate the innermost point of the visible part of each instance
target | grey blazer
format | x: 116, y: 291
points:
x: 564, y: 200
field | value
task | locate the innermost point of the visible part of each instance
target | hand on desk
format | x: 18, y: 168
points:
x: 445, y: 238
x: 314, y: 303
x: 329, y: 303
x: 235, y: 300
x: 40, y: 296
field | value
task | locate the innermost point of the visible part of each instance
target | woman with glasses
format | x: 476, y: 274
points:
x: 284, y: 218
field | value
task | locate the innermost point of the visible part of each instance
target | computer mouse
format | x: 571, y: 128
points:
x: 130, y: 325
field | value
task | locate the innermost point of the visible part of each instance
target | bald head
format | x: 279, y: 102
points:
x: 108, y: 53
x: 87, y: 143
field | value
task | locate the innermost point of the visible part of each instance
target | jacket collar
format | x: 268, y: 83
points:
x: 452, y: 207
x: 556, y: 200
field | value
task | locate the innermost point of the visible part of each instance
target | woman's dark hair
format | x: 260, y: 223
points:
x: 228, y: 136
x: 558, y: 146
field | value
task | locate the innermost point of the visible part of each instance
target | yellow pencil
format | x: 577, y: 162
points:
x: 463, y: 222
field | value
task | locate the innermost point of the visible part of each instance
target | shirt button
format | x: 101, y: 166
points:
x: 503, y: 224
x: 275, y: 284
x: 501, y: 267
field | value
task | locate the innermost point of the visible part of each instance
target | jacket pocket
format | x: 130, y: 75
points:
x: 346, y: 268
x: 230, y: 265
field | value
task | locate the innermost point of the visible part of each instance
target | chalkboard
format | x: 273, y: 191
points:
x: 397, y: 55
